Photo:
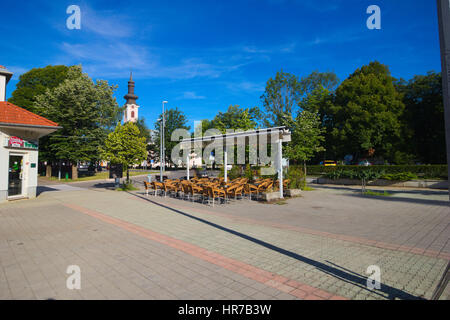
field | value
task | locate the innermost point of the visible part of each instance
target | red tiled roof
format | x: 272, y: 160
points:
x: 13, y: 114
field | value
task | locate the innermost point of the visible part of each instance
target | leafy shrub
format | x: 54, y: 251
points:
x: 422, y: 171
x: 297, y: 177
x: 366, y: 174
x: 249, y: 174
x: 401, y: 176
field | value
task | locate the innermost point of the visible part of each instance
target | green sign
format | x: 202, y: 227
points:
x: 30, y: 145
x: 33, y: 165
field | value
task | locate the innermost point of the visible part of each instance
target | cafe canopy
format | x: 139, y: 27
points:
x: 280, y: 134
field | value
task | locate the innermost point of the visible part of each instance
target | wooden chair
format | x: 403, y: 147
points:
x: 285, y: 184
x: 147, y: 186
x: 234, y: 190
x: 195, y: 190
x: 214, y: 193
x: 265, y: 186
x: 157, y: 185
x: 169, y: 185
x: 251, y: 189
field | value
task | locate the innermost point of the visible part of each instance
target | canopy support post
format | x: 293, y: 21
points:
x: 280, y: 166
x: 225, y: 165
x: 187, y: 167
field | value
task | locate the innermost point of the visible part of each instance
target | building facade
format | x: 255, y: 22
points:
x: 20, y: 131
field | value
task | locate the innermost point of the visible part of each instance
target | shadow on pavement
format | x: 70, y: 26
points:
x: 342, y: 274
x: 42, y: 189
x: 427, y: 192
x: 400, y: 199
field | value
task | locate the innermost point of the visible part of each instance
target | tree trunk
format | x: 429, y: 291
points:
x: 74, y: 171
x: 48, y: 171
x: 128, y: 176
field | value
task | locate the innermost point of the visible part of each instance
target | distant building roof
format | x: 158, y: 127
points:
x: 12, y: 114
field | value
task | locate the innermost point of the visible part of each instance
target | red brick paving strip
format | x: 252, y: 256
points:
x: 292, y: 287
x: 364, y: 241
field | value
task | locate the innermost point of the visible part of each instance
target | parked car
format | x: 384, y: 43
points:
x: 329, y: 163
x: 365, y: 163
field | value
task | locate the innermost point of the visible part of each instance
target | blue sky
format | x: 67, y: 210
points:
x: 203, y: 56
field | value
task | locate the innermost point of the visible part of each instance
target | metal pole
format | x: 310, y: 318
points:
x: 160, y: 153
x: 187, y: 166
x: 225, y: 169
x: 443, y: 7
x: 280, y: 166
x: 163, y: 135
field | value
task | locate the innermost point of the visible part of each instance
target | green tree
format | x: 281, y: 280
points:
x: 286, y: 95
x: 125, y: 146
x: 366, y: 113
x: 202, y: 126
x: 307, y: 137
x: 87, y: 111
x: 236, y: 118
x: 35, y: 82
x: 318, y: 80
x: 174, y: 119
x: 144, y: 131
x: 424, y: 117
x: 281, y: 97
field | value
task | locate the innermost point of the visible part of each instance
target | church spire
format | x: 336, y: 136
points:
x: 130, y: 96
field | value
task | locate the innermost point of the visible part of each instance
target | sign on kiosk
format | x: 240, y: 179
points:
x: 16, y: 142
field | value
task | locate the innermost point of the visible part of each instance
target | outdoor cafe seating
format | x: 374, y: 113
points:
x: 211, y: 190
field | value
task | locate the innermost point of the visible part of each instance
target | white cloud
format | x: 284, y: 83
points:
x: 106, y: 23
x: 246, y: 86
x: 116, y: 59
x: 192, y: 95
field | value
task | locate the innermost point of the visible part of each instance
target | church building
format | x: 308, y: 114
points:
x: 131, y: 107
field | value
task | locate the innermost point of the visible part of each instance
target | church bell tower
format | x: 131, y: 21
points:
x: 131, y: 108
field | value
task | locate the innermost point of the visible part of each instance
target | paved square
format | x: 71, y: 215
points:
x: 129, y: 246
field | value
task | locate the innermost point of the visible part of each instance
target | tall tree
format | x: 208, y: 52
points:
x: 174, y: 119
x: 366, y: 113
x: 236, y: 118
x: 125, y: 146
x: 144, y: 131
x: 287, y: 95
x: 307, y: 137
x: 318, y: 80
x: 87, y: 111
x: 35, y: 82
x: 424, y: 117
x: 281, y: 97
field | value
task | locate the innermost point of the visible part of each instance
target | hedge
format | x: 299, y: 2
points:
x: 422, y: 171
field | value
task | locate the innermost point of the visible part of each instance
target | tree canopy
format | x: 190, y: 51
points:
x: 281, y: 97
x: 174, y: 119
x: 143, y: 129
x: 125, y: 146
x: 424, y: 117
x: 235, y: 118
x: 87, y: 112
x: 307, y: 137
x: 35, y: 82
x: 366, y: 113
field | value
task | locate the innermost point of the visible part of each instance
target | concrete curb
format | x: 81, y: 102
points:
x: 428, y: 184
